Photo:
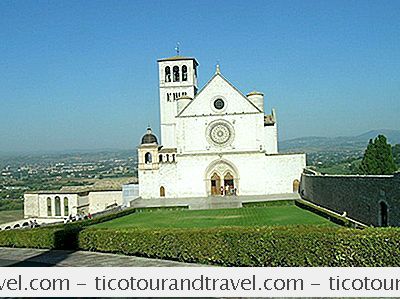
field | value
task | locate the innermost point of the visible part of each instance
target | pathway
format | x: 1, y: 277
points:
x: 29, y: 257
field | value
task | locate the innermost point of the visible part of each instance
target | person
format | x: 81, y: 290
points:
x: 222, y: 190
x: 235, y: 191
x: 89, y: 216
x: 227, y: 190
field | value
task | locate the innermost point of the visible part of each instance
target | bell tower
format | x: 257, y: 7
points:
x: 178, y: 78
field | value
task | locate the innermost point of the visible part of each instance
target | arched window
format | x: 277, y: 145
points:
x: 147, y: 158
x: 66, y: 206
x: 296, y: 185
x: 384, y: 214
x: 160, y: 158
x: 176, y: 73
x: 162, y: 191
x: 184, y: 73
x: 167, y: 158
x: 167, y: 74
x: 173, y: 157
x: 57, y: 204
x: 48, y: 206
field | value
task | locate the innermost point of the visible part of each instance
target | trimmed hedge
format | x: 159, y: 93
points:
x: 266, y: 246
x: 32, y: 238
x: 60, y: 236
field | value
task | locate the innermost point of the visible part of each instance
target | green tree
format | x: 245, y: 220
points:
x: 396, y: 154
x: 378, y: 158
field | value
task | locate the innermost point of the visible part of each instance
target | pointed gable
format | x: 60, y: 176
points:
x: 219, y: 88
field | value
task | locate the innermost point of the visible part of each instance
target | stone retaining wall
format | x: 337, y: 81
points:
x: 373, y: 200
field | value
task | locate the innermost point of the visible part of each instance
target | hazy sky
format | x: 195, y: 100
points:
x: 83, y: 74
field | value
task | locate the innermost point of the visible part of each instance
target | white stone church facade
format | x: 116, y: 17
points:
x: 214, y: 141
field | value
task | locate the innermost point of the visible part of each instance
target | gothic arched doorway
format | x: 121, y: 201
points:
x: 229, y: 184
x: 215, y: 184
x: 221, y: 178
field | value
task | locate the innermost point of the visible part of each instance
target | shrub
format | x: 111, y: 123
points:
x: 60, y: 236
x: 266, y: 246
x: 32, y: 238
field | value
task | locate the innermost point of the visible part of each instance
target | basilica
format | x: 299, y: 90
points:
x: 215, y: 141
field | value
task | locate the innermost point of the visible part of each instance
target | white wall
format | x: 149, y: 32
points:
x: 99, y: 200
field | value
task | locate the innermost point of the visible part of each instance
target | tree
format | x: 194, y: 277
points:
x: 378, y: 158
x: 396, y: 154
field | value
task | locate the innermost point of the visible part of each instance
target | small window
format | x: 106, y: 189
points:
x: 160, y: 158
x: 184, y: 73
x: 167, y: 158
x: 147, y: 158
x: 219, y: 104
x: 176, y: 73
x: 173, y: 157
x: 167, y: 74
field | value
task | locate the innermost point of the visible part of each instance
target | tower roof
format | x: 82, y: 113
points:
x: 149, y: 137
x: 177, y: 57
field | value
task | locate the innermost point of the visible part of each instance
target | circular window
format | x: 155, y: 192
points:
x: 219, y: 104
x: 220, y: 133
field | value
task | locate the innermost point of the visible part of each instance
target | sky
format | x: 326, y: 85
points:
x: 83, y: 74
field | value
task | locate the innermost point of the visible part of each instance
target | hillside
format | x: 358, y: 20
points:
x: 336, y: 144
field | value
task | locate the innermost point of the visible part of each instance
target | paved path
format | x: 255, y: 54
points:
x: 27, y: 257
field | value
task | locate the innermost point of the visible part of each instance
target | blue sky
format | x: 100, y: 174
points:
x: 83, y: 74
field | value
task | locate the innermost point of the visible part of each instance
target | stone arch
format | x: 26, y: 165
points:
x: 147, y: 158
x: 296, y: 186
x: 167, y: 74
x: 223, y: 169
x: 162, y: 191
x: 184, y: 73
x: 175, y: 71
x: 383, y: 213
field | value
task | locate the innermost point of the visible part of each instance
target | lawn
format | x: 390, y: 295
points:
x: 12, y: 215
x: 255, y: 216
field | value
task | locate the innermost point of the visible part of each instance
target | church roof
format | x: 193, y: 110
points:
x: 218, y: 74
x: 149, y: 137
x: 178, y: 57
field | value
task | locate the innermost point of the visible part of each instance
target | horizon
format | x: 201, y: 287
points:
x: 79, y: 75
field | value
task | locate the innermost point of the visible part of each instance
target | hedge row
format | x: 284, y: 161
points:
x: 60, y: 236
x: 267, y: 246
x: 32, y: 238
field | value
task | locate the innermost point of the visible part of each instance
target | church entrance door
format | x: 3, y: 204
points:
x: 229, y: 184
x: 215, y: 184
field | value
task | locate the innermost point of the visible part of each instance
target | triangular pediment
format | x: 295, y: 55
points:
x: 219, y: 88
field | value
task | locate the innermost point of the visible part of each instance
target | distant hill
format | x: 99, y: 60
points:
x: 336, y: 144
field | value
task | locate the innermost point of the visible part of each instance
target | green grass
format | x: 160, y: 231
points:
x: 253, y: 216
x: 12, y: 215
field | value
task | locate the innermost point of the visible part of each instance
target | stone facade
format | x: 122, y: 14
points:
x: 213, y: 139
x: 373, y: 200
x: 58, y: 205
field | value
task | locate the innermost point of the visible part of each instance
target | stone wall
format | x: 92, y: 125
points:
x: 363, y: 198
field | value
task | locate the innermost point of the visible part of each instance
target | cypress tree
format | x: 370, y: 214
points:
x: 378, y: 158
